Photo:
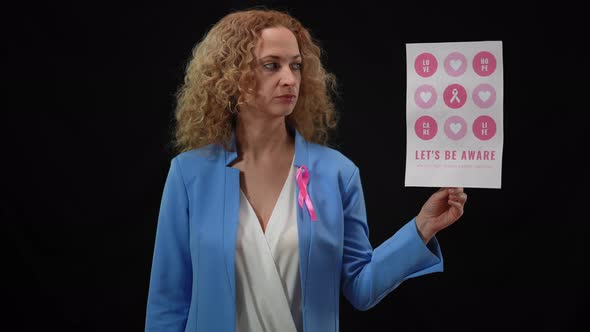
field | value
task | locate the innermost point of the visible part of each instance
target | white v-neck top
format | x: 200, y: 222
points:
x: 268, y: 287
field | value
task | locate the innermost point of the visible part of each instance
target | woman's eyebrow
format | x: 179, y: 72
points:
x: 278, y: 57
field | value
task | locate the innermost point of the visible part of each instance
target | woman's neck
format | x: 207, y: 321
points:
x: 263, y: 140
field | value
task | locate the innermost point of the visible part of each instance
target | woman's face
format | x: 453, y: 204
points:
x: 278, y: 73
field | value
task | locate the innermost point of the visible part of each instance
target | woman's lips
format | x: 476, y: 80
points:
x: 287, y: 98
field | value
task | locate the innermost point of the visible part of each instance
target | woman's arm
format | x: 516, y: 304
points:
x: 367, y: 275
x: 171, y: 274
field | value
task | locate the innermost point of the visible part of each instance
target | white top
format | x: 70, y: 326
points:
x: 268, y: 288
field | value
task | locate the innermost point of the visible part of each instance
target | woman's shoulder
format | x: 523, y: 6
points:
x: 332, y: 160
x: 330, y: 154
x: 199, y: 159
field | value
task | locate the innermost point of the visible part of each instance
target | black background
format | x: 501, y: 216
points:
x: 88, y: 117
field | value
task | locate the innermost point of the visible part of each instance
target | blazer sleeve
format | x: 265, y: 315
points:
x: 369, y: 275
x: 171, y: 274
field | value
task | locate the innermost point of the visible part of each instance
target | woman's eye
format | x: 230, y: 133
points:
x: 275, y: 66
x: 270, y: 66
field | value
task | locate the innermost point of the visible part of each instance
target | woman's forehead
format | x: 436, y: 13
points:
x: 277, y: 41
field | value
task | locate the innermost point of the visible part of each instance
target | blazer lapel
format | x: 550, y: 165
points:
x: 303, y: 217
x: 230, y: 215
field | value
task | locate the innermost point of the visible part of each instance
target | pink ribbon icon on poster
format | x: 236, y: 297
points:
x: 454, y: 114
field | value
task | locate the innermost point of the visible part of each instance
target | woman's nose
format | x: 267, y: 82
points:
x: 288, y: 77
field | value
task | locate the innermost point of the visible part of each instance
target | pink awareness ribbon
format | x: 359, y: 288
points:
x: 302, y: 181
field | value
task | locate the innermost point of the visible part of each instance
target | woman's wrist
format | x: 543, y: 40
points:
x: 423, y: 229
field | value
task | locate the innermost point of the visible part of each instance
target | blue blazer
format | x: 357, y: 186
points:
x: 192, y: 282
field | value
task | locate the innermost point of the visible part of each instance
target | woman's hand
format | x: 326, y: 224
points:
x: 442, y: 209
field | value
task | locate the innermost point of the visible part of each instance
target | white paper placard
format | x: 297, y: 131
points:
x: 454, y: 114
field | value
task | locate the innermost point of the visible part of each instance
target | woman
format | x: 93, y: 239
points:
x: 261, y: 225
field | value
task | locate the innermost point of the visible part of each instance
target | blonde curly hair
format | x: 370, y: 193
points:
x: 221, y: 70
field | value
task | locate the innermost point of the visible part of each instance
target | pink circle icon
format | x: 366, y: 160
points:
x: 425, y: 127
x: 425, y: 64
x: 484, y: 127
x: 455, y: 96
x: 455, y: 127
x: 425, y: 96
x: 455, y: 64
x: 484, y: 95
x: 484, y: 63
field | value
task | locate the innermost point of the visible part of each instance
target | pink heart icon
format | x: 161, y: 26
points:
x: 484, y: 95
